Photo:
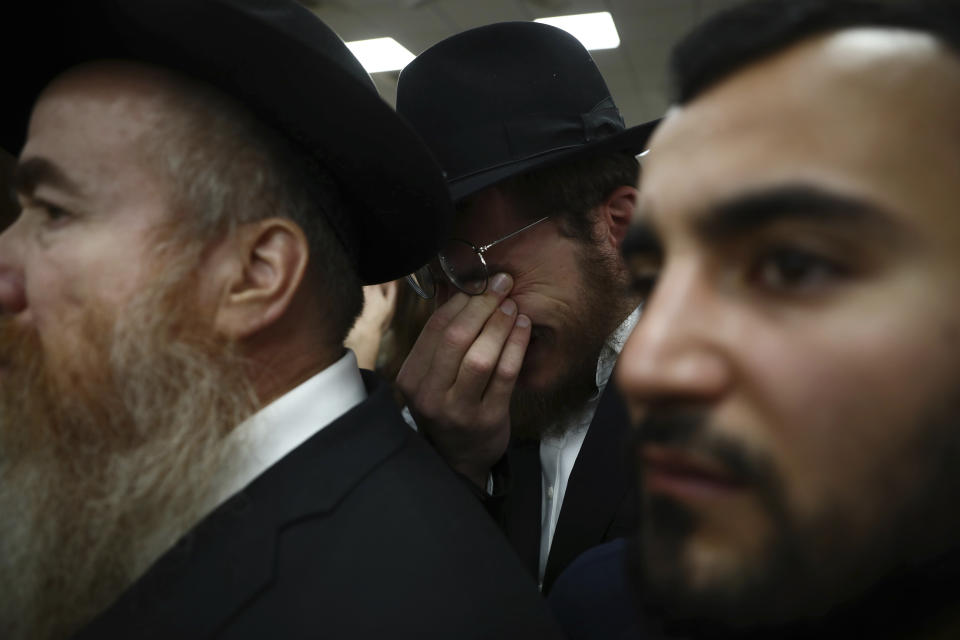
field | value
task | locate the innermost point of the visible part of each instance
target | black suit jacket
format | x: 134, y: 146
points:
x: 600, y: 503
x: 361, y: 532
x: 595, y: 599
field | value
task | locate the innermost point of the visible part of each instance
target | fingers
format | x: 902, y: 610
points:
x: 501, y: 384
x: 388, y: 290
x: 460, y: 374
x: 434, y: 361
x: 420, y: 359
x: 480, y: 361
x: 374, y: 319
x: 462, y: 332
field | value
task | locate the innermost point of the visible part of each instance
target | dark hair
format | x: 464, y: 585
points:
x: 570, y: 190
x: 752, y: 31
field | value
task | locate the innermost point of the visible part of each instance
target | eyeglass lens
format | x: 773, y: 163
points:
x: 462, y: 263
x: 464, y: 266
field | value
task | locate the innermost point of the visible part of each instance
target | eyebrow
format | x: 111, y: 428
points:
x: 30, y: 173
x: 755, y: 210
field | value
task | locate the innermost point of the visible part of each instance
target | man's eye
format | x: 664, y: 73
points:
x: 644, y: 269
x: 54, y: 212
x: 47, y: 211
x: 790, y: 269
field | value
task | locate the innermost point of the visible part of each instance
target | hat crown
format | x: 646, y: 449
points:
x: 504, y: 98
x: 498, y: 72
x: 288, y: 68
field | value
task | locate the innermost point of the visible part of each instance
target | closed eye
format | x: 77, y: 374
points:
x: 49, y: 212
x: 54, y: 212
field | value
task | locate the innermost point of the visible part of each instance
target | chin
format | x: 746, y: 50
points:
x: 704, y: 578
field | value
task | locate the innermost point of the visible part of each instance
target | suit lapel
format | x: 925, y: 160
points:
x: 521, y: 520
x: 599, y: 486
x: 222, y: 563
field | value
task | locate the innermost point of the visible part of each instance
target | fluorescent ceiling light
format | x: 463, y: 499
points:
x: 380, y: 54
x: 593, y: 30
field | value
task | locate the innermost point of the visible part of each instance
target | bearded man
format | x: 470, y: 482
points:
x: 509, y: 376
x: 796, y: 371
x: 186, y: 449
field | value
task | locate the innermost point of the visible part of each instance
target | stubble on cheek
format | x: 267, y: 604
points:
x: 715, y: 560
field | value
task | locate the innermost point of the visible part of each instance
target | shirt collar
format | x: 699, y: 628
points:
x: 613, y: 346
x: 290, y: 420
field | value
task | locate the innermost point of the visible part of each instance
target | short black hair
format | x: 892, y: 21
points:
x: 749, y: 32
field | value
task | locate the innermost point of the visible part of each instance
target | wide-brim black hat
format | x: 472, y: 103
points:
x: 504, y: 99
x: 286, y: 66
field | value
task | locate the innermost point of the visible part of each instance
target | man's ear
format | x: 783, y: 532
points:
x: 616, y: 212
x: 269, y: 261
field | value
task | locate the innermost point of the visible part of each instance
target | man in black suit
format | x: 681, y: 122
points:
x: 533, y: 305
x: 795, y: 374
x: 186, y: 449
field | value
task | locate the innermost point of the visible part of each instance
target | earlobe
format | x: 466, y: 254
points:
x: 273, y: 260
x: 617, y: 211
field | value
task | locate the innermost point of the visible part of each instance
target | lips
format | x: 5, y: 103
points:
x: 684, y: 473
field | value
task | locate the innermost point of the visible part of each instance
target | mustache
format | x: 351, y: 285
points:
x: 689, y: 430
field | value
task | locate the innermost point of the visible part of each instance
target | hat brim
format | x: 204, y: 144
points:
x: 282, y: 63
x: 632, y: 140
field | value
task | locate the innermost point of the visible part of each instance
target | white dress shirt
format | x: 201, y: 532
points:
x: 290, y: 420
x: 559, y: 453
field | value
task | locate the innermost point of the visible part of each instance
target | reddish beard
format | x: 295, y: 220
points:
x: 605, y: 303
x: 60, y: 406
x: 108, y: 453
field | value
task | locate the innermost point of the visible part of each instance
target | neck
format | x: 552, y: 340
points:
x: 278, y: 370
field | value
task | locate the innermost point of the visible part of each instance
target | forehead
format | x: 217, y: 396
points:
x: 867, y: 112
x: 487, y: 215
x: 92, y: 124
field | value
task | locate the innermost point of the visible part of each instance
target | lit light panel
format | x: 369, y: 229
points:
x: 380, y: 54
x: 593, y: 30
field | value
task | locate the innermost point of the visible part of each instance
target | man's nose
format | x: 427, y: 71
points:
x: 676, y: 353
x: 13, y: 298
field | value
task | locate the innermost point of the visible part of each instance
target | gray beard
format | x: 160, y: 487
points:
x: 105, y: 462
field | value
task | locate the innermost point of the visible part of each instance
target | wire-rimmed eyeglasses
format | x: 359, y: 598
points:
x: 462, y: 263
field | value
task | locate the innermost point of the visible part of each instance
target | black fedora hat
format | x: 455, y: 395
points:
x: 506, y: 98
x: 280, y: 61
